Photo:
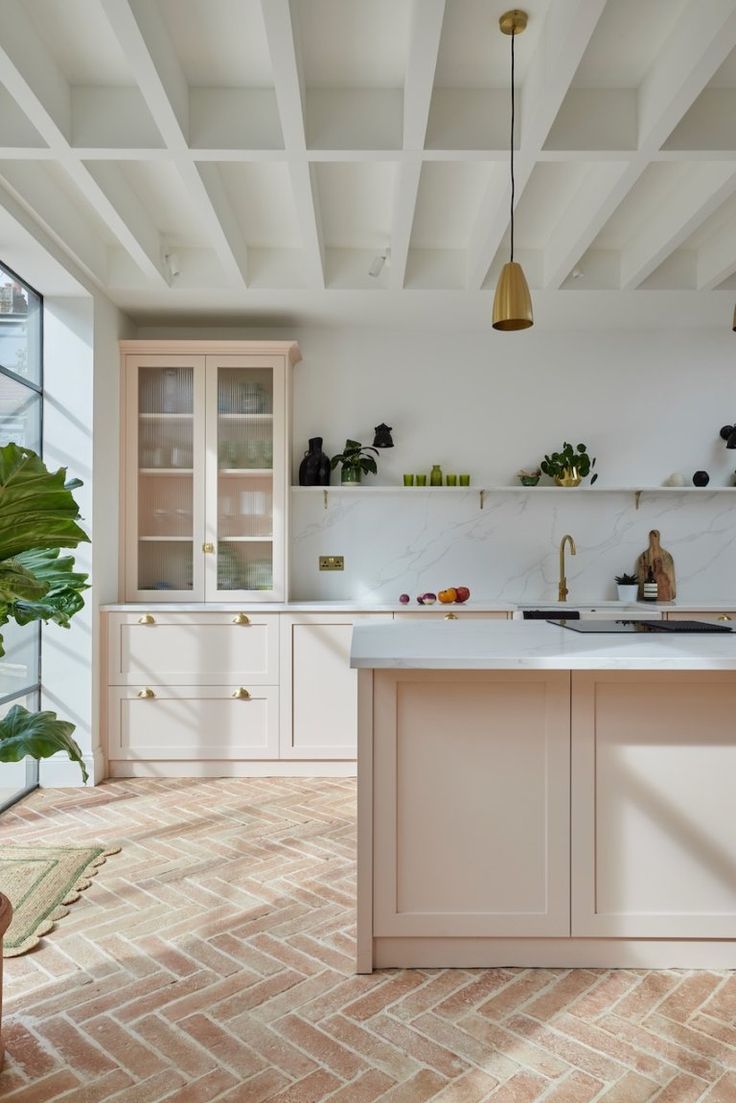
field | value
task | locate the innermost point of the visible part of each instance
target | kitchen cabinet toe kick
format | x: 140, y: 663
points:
x: 555, y: 818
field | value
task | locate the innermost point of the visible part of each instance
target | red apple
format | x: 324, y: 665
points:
x: 463, y: 593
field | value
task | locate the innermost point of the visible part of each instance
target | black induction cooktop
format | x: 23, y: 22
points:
x: 624, y: 627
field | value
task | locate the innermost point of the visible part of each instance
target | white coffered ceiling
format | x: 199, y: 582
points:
x: 276, y: 146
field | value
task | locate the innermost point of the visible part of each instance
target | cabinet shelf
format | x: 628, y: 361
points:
x: 245, y: 417
x: 165, y: 539
x: 159, y: 415
x: 166, y: 471
x: 245, y: 472
x: 245, y: 539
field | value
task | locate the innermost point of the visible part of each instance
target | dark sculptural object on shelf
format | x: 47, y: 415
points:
x: 314, y: 470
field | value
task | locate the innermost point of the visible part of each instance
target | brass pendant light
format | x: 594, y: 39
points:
x: 512, y: 303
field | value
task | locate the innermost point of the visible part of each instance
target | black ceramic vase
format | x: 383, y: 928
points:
x: 314, y: 470
x: 701, y: 478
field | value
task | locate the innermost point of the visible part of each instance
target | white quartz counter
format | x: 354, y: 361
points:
x: 531, y: 645
x: 356, y: 606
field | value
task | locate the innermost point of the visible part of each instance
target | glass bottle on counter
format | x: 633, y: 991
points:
x: 649, y: 589
x: 435, y: 475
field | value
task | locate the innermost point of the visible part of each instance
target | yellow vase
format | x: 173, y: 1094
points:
x: 569, y: 478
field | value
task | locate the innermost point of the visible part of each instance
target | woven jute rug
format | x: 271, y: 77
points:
x: 40, y: 881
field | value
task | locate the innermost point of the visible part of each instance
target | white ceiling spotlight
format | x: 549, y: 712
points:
x: 171, y: 260
x: 378, y: 262
x: 577, y: 273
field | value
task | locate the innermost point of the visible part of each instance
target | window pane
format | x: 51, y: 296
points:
x: 20, y: 327
x: 17, y: 778
x: 20, y: 414
x: 19, y: 664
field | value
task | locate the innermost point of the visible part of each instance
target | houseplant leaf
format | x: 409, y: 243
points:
x: 17, y: 581
x: 38, y: 734
x: 63, y: 588
x: 36, y: 509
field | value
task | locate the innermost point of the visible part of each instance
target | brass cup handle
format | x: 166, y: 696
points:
x: 724, y: 617
x: 146, y: 693
x: 241, y: 618
x: 208, y: 548
x: 450, y: 616
x: 147, y: 618
x: 241, y: 694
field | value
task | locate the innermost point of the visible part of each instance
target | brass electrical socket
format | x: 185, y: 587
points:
x: 332, y: 563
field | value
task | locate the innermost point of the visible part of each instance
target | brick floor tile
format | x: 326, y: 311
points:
x: 371, y: 1085
x: 425, y: 1085
x: 45, y: 1088
x: 423, y: 1049
x: 472, y: 1087
x: 689, y: 996
x: 557, y: 995
x: 76, y: 1051
x: 312, y: 1089
x: 207, y: 1087
x: 510, y: 1052
x: 723, y: 1091
x: 26, y: 1050
x: 651, y: 990
x: 329, y: 1052
x: 578, y: 1087
x: 523, y: 1087
x: 522, y: 988
x: 631, y: 1088
x: 683, y: 1089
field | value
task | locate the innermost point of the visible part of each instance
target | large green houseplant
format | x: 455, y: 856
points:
x: 38, y: 517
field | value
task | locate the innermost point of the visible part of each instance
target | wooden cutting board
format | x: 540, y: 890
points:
x: 662, y: 565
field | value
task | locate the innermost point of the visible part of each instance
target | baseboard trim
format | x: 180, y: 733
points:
x: 59, y: 772
x: 282, y: 768
x: 556, y: 953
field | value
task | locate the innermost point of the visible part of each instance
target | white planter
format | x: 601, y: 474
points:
x: 628, y: 593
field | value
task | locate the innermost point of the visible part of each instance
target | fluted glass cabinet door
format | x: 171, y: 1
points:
x: 164, y: 503
x: 245, y: 477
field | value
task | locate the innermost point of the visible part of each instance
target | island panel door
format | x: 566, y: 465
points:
x: 653, y: 809
x: 471, y: 803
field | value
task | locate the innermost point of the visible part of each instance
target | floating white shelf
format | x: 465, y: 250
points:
x: 483, y: 492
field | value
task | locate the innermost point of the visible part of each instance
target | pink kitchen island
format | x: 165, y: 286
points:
x: 531, y: 796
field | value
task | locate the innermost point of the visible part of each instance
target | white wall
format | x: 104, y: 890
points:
x: 81, y: 385
x: 647, y: 403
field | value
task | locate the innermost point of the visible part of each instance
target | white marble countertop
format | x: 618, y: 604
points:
x: 531, y: 645
x: 356, y: 606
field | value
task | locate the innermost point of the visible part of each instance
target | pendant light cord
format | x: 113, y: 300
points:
x: 513, y: 115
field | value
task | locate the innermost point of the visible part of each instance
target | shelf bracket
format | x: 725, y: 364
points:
x: 482, y: 498
x: 324, y: 498
x: 637, y: 497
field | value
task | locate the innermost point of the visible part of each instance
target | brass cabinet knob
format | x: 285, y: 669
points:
x: 241, y: 618
x: 146, y: 693
x: 241, y: 694
x: 450, y: 616
x: 208, y: 548
x: 724, y: 617
x: 147, y: 618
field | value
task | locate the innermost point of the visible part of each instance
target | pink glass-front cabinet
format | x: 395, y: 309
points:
x: 205, y: 469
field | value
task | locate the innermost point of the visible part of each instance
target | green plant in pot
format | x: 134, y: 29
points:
x: 38, y: 517
x: 627, y: 586
x: 569, y: 466
x: 355, y: 462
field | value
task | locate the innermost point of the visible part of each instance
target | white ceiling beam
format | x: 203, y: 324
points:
x: 703, y: 190
x: 698, y: 45
x: 290, y: 96
x: 141, y: 33
x: 599, y: 194
x: 29, y: 72
x: 424, y: 43
x: 568, y: 27
x: 716, y: 259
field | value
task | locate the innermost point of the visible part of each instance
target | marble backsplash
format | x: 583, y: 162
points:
x: 412, y: 541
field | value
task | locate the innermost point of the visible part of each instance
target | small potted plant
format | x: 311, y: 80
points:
x: 528, y: 478
x: 570, y: 466
x: 355, y: 462
x: 627, y: 586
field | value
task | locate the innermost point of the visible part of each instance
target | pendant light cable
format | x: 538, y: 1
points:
x: 513, y: 117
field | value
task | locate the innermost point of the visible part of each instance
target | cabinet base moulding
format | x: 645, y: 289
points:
x: 551, y: 953
x: 313, y: 768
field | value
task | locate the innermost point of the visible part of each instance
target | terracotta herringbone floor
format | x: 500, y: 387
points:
x: 212, y: 960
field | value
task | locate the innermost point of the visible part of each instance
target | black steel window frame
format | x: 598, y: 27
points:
x: 35, y: 687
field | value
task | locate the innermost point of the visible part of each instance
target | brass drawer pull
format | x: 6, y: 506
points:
x: 241, y: 694
x: 724, y: 617
x: 147, y: 618
x: 450, y: 616
x: 241, y: 618
x: 208, y: 548
x: 146, y: 693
